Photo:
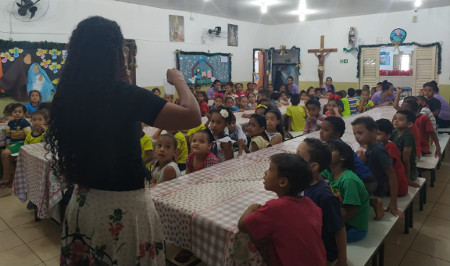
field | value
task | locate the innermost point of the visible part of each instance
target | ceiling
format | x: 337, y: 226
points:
x: 281, y: 11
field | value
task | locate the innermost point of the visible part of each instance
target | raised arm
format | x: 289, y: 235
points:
x: 397, y: 98
x: 183, y: 116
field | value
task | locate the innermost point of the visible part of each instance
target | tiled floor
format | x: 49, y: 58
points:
x: 25, y: 242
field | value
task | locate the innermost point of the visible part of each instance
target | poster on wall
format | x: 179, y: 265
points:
x: 176, y: 28
x: 232, y: 35
x: 385, y: 58
x: 199, y: 68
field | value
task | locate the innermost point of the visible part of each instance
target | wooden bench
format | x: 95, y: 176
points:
x: 444, y: 130
x: 430, y: 162
x: 372, y: 246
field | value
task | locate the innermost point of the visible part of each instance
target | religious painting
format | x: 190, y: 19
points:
x: 176, y: 28
x: 232, y: 35
x: 199, y: 68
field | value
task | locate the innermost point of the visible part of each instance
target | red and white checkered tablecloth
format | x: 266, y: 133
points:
x: 34, y: 180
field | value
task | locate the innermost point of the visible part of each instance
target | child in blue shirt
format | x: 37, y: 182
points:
x: 32, y: 105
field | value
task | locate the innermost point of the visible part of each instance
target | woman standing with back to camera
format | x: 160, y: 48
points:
x: 94, y: 140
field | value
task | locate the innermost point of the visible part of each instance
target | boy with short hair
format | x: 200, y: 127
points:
x: 352, y: 101
x: 384, y: 134
x: 402, y: 136
x: 364, y: 104
x: 318, y: 155
x: 423, y: 106
x: 380, y: 164
x: 315, y: 118
x: 292, y: 224
x: 295, y: 115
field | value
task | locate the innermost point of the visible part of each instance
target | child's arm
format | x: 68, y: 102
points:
x: 157, y: 134
x: 253, y: 147
x: 148, y: 156
x: 241, y: 145
x: 393, y: 190
x: 169, y: 174
x: 27, y: 114
x: 360, y: 107
x: 251, y: 209
x: 406, y: 160
x: 276, y: 140
x: 348, y: 211
x: 434, y: 137
x: 397, y: 98
x: 288, y: 122
x: 227, y: 150
x: 341, y: 244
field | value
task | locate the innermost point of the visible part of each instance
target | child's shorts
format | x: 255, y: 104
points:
x: 15, y: 147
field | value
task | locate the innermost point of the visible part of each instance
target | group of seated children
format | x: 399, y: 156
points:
x: 19, y: 132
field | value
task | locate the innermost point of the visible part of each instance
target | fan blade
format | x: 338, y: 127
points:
x: 19, y: 5
x: 33, y: 10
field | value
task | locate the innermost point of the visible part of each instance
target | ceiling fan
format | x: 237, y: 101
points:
x: 29, y: 10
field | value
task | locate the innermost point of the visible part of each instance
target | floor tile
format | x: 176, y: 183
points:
x: 35, y: 230
x: 9, y: 240
x: 441, y: 211
x: 5, y: 192
x: 18, y: 217
x: 414, y: 258
x: 3, y: 225
x: 399, y: 238
x: 52, y: 262
x: 46, y: 247
x: 393, y: 254
x: 10, y: 203
x: 433, y: 245
x: 437, y: 226
x: 20, y: 255
x: 444, y: 199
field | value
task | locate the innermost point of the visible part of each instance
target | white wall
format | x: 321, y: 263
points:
x: 148, y: 26
x: 433, y: 26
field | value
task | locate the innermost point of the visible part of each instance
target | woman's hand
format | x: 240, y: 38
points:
x: 174, y: 76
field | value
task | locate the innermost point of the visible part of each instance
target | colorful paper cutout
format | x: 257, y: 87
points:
x: 55, y: 53
x: 15, y: 51
x: 45, y: 63
x: 55, y: 67
x: 41, y: 53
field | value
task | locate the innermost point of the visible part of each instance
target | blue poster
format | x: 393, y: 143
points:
x: 200, y: 68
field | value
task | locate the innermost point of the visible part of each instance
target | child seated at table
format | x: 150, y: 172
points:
x: 295, y: 115
x: 16, y: 132
x: 402, y: 136
x: 236, y: 133
x: 274, y: 128
x: 423, y: 106
x: 284, y: 100
x: 182, y: 148
x: 352, y: 101
x: 165, y: 168
x: 33, y: 104
x: 384, y: 134
x: 218, y: 102
x: 243, y: 104
x: 364, y: 103
x: 380, y: 164
x: 7, y: 113
x: 239, y: 88
x: 231, y: 103
x: 334, y: 106
x: 203, y: 102
x: 291, y: 223
x: 252, y: 100
x: 318, y: 155
x: 257, y: 131
x: 223, y: 145
x: 315, y: 118
x: 345, y: 103
x: 346, y: 185
x: 201, y: 155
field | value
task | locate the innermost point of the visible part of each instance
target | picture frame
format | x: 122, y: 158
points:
x: 176, y: 28
x: 233, y: 35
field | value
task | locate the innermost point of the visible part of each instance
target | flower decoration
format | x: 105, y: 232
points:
x: 6, y: 56
x: 15, y: 51
x: 55, y: 53
x: 55, y: 81
x: 224, y: 113
x: 45, y: 63
x: 55, y: 67
x: 40, y: 52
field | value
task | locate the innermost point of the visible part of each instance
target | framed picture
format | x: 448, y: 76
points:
x: 176, y: 28
x: 232, y: 35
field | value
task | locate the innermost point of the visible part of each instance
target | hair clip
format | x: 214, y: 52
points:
x: 261, y: 106
x: 224, y: 113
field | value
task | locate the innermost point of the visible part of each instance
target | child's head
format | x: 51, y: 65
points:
x: 216, y: 85
x: 316, y: 153
x: 232, y: 125
x: 197, y: 88
x: 243, y: 101
x: 365, y: 130
x: 201, y: 96
x: 333, y: 127
x: 335, y: 102
x: 8, y: 109
x: 34, y: 96
x: 323, y: 91
x: 387, y: 87
x: 250, y: 86
x: 288, y: 175
x: 403, y: 119
x: 429, y: 89
x: 351, y: 92
x: 45, y: 107
x: 366, y: 87
x: 239, y: 87
x: 201, y: 142
x: 256, y: 125
x: 262, y: 108
x: 379, y: 86
x: 283, y: 96
x: 421, y: 101
x: 385, y: 129
x: 341, y: 154
x: 229, y: 87
x: 365, y: 94
x: 274, y: 121
x: 39, y: 118
x: 311, y: 91
x: 373, y: 90
x: 218, y: 101
x: 295, y: 99
x: 318, y: 92
x: 342, y: 93
x: 165, y: 148
x: 410, y: 104
x: 275, y: 96
x: 18, y: 111
x: 313, y: 107
x: 229, y: 102
x: 251, y: 97
x: 221, y: 117
x: 270, y: 89
x: 156, y: 91
x: 282, y: 87
x: 168, y: 97
x: 263, y: 94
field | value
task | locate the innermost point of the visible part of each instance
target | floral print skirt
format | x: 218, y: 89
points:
x: 112, y: 228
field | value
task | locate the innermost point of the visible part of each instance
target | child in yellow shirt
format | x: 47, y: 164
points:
x: 296, y: 115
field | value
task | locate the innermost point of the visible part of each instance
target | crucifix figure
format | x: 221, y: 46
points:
x: 321, y: 54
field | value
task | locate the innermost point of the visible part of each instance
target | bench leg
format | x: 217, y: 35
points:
x: 433, y: 177
x: 422, y: 196
x: 411, y: 214
x: 407, y: 214
x: 375, y: 259
x: 381, y: 254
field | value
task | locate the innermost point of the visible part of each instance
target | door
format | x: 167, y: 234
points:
x: 260, y: 76
x: 369, y: 69
x: 424, y: 67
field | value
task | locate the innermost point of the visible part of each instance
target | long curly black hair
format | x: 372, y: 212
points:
x: 94, y: 66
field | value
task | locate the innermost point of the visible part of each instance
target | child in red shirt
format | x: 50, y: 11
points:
x: 292, y: 223
x: 384, y: 134
x: 201, y: 99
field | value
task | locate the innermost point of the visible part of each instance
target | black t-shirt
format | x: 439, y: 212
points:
x: 378, y: 159
x: 113, y: 158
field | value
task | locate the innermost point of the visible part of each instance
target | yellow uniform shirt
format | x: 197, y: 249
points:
x: 367, y: 107
x: 146, y: 145
x: 30, y: 139
x: 297, y: 114
x: 182, y: 146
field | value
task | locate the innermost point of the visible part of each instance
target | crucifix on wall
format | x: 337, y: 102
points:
x: 321, y: 54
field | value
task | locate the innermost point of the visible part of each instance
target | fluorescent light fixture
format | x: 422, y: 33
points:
x: 264, y: 8
x: 418, y: 3
x: 302, y: 17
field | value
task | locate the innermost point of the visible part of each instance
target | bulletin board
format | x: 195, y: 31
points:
x: 200, y: 68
